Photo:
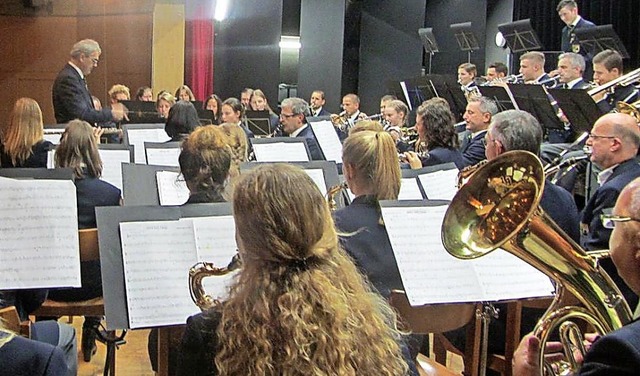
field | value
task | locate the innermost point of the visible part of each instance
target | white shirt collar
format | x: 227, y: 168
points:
x: 575, y: 22
x: 605, y: 174
x: 474, y: 134
x: 572, y: 83
x: 297, y: 131
x: 77, y: 70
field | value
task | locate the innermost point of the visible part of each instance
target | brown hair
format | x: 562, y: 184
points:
x: 237, y: 141
x: 78, y: 150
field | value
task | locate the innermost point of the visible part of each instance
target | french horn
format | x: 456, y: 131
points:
x: 498, y: 207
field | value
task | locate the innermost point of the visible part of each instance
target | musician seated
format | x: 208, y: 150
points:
x: 349, y: 116
x: 386, y: 99
x: 467, y: 73
x: 496, y: 72
x: 298, y: 305
x: 184, y: 93
x: 119, y: 93
x: 164, y: 102
x: 182, y: 120
x: 294, y: 124
x: 22, y: 356
x: 316, y: 104
x: 570, y: 68
x: 607, y: 66
x: 532, y: 69
x: 233, y: 112
x: 214, y: 104
x: 437, y: 139
x: 78, y: 150
x: 237, y: 141
x: 396, y: 116
x: 144, y: 94
x: 616, y: 353
x: 258, y: 102
x: 22, y: 141
x: 477, y: 117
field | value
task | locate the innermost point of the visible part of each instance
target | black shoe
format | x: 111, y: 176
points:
x: 89, y: 347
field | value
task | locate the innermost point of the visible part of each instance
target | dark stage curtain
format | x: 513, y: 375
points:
x: 622, y: 14
x: 199, y: 48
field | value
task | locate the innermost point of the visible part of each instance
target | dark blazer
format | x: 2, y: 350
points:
x: 617, y: 353
x: 37, y: 160
x: 72, y: 99
x: 25, y: 357
x: 323, y: 112
x: 472, y: 149
x: 439, y: 155
x: 626, y: 94
x: 567, y: 36
x: 367, y: 242
x: 547, y: 81
x: 603, y: 200
x: 25, y: 301
x: 312, y: 143
x: 558, y: 203
x: 581, y: 85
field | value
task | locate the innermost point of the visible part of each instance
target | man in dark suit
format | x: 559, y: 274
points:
x: 614, y: 142
x: 316, y: 103
x: 568, y: 12
x: 477, y: 117
x: 294, y: 123
x: 532, y: 69
x: 607, y: 66
x: 617, y: 353
x: 70, y: 94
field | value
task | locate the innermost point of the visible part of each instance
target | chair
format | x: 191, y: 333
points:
x: 89, y: 251
x: 11, y: 320
x: 437, y: 319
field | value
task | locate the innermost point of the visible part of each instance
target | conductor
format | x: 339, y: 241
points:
x: 70, y: 94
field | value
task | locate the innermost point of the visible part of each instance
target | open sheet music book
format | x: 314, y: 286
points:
x: 280, y: 151
x: 172, y: 190
x: 431, y: 275
x: 163, y: 157
x: 433, y: 183
x: 112, y: 160
x: 39, y: 232
x: 157, y: 256
x: 137, y: 138
x: 410, y: 190
x: 328, y: 140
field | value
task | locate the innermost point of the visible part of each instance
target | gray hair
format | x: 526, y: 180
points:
x: 576, y: 60
x: 517, y: 130
x: 298, y: 105
x: 485, y: 105
x: 85, y: 47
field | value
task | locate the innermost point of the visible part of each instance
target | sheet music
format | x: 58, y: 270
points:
x: 429, y: 274
x: 54, y: 138
x: 405, y: 92
x: 440, y: 185
x: 172, y: 190
x: 409, y: 190
x: 281, y: 152
x: 157, y: 257
x: 137, y: 138
x: 216, y: 242
x: 112, y: 165
x: 317, y: 175
x: 39, y: 232
x: 163, y: 157
x: 328, y: 140
x: 51, y: 159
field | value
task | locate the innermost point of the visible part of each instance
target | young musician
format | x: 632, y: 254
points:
x: 184, y: 93
x: 233, y: 112
x: 259, y: 102
x: 237, y: 141
x: 298, y: 305
x: 607, y: 66
x: 395, y: 114
x: 182, y: 120
x: 22, y: 142
x: 214, y: 104
x: 164, y: 103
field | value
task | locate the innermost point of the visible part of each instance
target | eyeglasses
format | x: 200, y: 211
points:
x: 595, y: 136
x: 609, y: 220
x: 286, y: 116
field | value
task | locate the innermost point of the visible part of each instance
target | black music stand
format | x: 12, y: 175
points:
x: 448, y: 88
x: 466, y: 39
x: 429, y: 43
x: 534, y: 100
x: 600, y: 38
x: 578, y: 107
x: 418, y: 90
x: 140, y: 112
x: 520, y: 36
x: 259, y: 122
x: 499, y: 95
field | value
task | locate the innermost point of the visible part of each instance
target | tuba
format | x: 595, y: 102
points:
x: 499, y: 208
x: 202, y: 270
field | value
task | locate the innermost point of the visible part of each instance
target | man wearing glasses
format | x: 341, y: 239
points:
x: 294, y: 124
x: 614, y: 142
x: 70, y: 94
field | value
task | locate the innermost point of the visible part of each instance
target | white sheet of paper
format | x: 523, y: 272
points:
x: 51, y: 159
x: 171, y: 189
x: 328, y: 140
x: 163, y: 157
x: 216, y: 242
x: 405, y: 92
x: 317, y: 175
x: 281, y: 152
x: 39, y: 232
x: 137, y: 138
x: 157, y: 257
x: 440, y: 185
x: 409, y: 190
x: 112, y: 165
x: 54, y: 138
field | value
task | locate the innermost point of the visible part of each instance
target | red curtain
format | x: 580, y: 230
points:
x: 199, y: 47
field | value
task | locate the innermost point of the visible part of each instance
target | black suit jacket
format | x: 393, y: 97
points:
x: 581, y: 85
x: 626, y: 94
x: 439, y: 155
x: 72, y: 99
x: 312, y: 143
x: 472, y: 149
x: 25, y: 357
x: 567, y: 36
x: 559, y: 204
x: 617, y: 353
x: 323, y: 112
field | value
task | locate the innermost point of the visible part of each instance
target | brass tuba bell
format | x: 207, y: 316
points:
x: 499, y: 208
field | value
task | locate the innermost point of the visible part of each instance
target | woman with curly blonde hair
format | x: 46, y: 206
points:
x: 299, y: 305
x: 237, y: 140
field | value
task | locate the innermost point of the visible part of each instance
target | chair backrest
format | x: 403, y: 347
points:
x: 10, y: 318
x: 436, y: 318
x: 88, y: 239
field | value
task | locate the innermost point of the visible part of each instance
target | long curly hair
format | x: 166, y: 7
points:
x: 437, y: 125
x: 299, y: 306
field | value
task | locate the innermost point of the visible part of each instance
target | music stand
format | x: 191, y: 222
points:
x: 429, y: 43
x: 448, y: 88
x: 578, y: 107
x: 259, y: 122
x: 600, y: 38
x: 498, y: 94
x: 466, y: 39
x: 534, y: 100
x: 140, y: 112
x: 520, y: 36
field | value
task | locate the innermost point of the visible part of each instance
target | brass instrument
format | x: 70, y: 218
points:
x: 332, y: 193
x: 465, y: 174
x: 202, y: 270
x: 632, y: 109
x: 624, y: 80
x: 569, y: 162
x: 499, y: 208
x: 341, y: 121
x: 555, y: 80
x: 106, y: 131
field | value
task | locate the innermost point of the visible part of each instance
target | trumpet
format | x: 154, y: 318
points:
x: 555, y: 80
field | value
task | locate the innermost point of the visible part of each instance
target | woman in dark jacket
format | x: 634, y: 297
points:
x: 22, y: 141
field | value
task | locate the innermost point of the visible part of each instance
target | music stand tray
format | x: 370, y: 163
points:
x: 448, y: 88
x: 600, y: 38
x: 534, y: 100
x: 467, y: 41
x: 140, y: 112
x: 520, y: 36
x: 499, y: 95
x: 259, y: 122
x: 578, y: 107
x: 429, y: 43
